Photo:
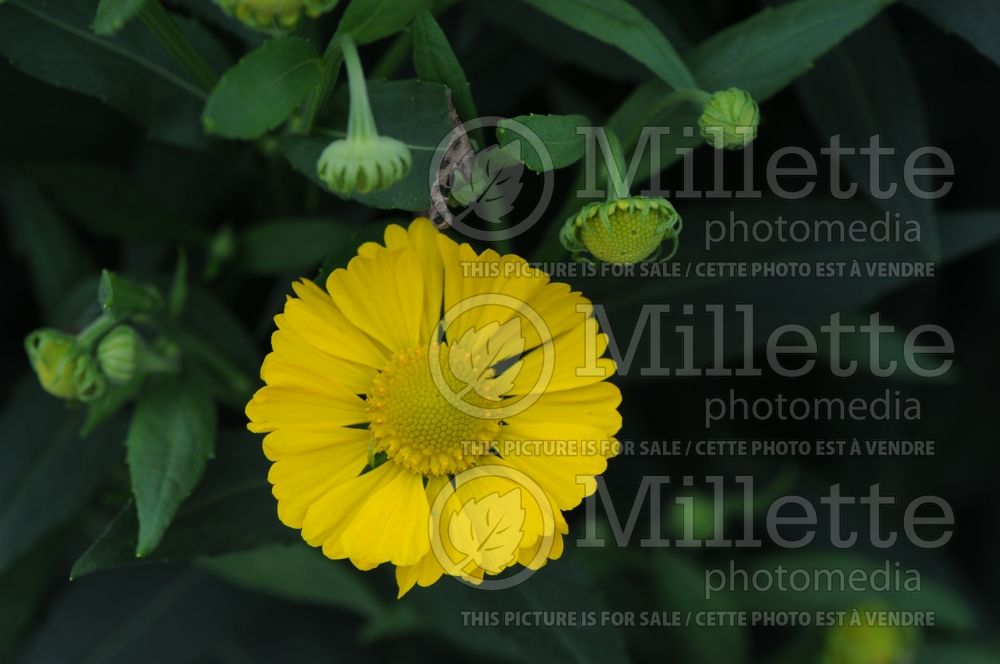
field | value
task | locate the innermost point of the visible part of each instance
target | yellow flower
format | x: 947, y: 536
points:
x: 436, y: 409
x: 274, y: 13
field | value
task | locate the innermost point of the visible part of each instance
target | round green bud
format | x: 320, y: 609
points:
x: 119, y: 353
x: 362, y: 165
x: 625, y: 231
x: 63, y: 367
x: 729, y: 119
x: 869, y: 644
x: 274, y: 14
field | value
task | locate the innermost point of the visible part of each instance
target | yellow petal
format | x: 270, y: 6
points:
x: 391, y: 526
x: 315, y: 318
x: 302, y: 478
x: 276, y: 407
x: 382, y: 294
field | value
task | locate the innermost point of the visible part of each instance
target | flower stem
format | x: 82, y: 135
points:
x: 360, y: 122
x: 93, y: 332
x: 165, y: 29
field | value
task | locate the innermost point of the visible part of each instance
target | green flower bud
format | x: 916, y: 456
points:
x: 119, y: 353
x: 64, y: 368
x: 272, y: 14
x: 625, y: 231
x: 364, y: 161
x: 869, y: 644
x: 729, y: 119
x: 359, y: 166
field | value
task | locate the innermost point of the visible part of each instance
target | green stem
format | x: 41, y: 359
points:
x: 93, y: 332
x: 360, y: 122
x: 329, y: 70
x: 618, y: 187
x: 165, y: 29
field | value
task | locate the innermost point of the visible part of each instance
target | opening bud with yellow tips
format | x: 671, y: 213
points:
x: 625, y: 231
x: 364, y: 161
x: 729, y: 119
x: 64, y: 367
x: 274, y: 14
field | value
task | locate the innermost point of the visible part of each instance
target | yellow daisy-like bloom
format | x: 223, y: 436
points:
x: 436, y: 409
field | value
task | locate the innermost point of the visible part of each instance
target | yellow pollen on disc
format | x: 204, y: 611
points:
x: 417, y: 424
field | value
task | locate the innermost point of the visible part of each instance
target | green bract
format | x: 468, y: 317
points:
x: 624, y: 231
x: 729, y: 119
x: 364, y: 161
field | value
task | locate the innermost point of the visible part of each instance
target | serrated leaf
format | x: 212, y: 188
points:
x: 370, y: 20
x: 112, y: 15
x: 231, y: 510
x: 618, y: 23
x: 434, y: 60
x: 262, y: 89
x: 558, y: 133
x: 170, y: 440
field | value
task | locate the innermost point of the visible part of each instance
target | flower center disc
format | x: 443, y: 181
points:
x: 417, y: 426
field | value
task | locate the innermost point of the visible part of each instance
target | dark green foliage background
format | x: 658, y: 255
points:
x: 105, y: 163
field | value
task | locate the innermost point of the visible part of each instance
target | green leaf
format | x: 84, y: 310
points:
x: 55, y: 259
x: 47, y: 472
x: 763, y: 55
x: 231, y: 510
x: 561, y: 586
x: 618, y: 23
x: 282, y: 246
x: 370, y: 20
x: 110, y: 203
x: 557, y: 132
x: 120, y: 297
x: 130, y: 72
x: 872, y: 70
x: 297, y: 573
x: 170, y: 440
x: 112, y: 15
x: 412, y: 111
x: 262, y: 89
x: 435, y: 61
x: 768, y: 51
x: 977, y: 21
